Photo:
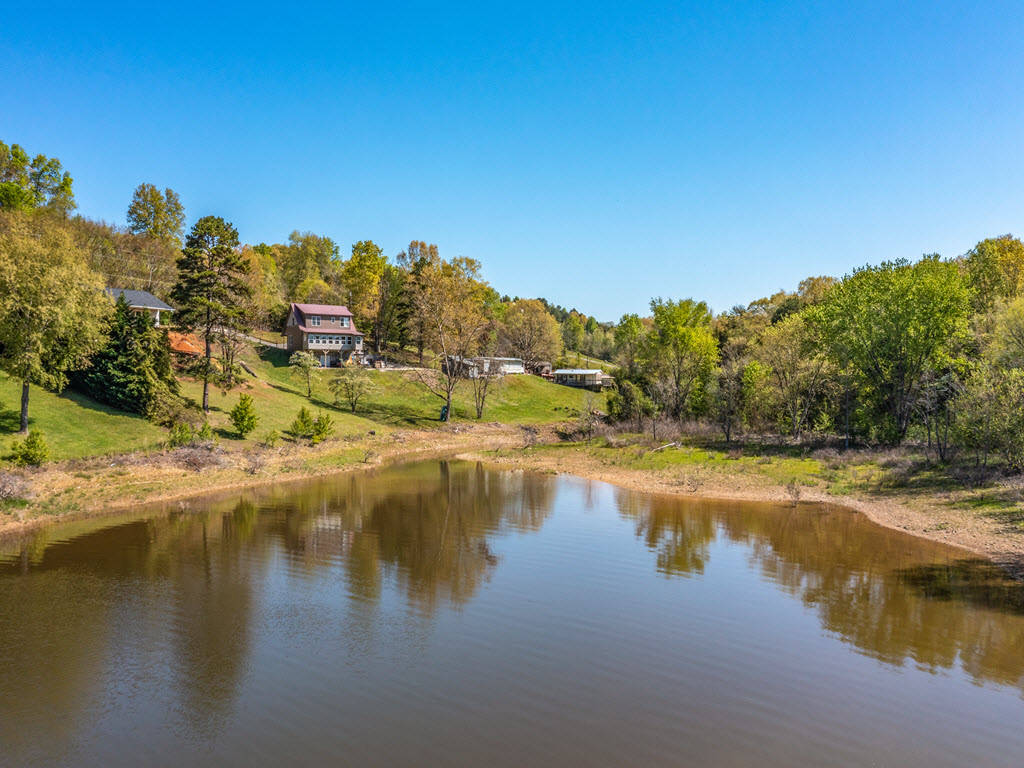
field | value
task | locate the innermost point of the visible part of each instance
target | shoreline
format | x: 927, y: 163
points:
x: 958, y: 528
x: 111, y: 486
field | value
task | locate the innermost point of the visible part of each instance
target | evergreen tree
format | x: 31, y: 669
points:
x: 133, y: 370
x: 243, y: 416
x: 212, y: 288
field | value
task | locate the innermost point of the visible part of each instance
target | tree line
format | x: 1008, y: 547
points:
x: 930, y: 350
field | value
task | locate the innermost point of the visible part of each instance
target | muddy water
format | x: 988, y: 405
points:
x: 446, y: 614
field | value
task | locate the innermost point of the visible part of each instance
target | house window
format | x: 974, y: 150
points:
x: 314, y: 320
x: 344, y: 322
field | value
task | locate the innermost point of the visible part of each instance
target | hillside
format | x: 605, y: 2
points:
x: 76, y: 426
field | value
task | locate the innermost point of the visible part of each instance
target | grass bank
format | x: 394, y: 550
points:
x: 76, y: 426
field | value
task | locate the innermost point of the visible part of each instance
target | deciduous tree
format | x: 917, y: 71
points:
x: 452, y: 304
x: 39, y: 182
x: 681, y: 351
x: 160, y: 216
x: 52, y: 306
x: 528, y: 331
x: 890, y: 324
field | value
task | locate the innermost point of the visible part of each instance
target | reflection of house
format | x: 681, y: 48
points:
x: 142, y: 301
x: 326, y: 330
x: 587, y: 378
x: 475, y: 367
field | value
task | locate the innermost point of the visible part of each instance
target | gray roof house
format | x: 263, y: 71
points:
x: 142, y: 301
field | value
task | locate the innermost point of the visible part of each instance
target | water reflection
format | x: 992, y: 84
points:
x: 173, y: 621
x: 893, y: 596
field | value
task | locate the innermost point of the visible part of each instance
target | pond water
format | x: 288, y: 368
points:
x: 444, y: 613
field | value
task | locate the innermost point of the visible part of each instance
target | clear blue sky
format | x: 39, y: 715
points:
x: 594, y: 153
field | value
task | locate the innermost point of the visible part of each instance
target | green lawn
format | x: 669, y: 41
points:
x: 397, y: 399
x: 74, y: 425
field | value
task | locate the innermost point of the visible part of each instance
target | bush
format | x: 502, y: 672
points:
x: 243, y: 416
x: 270, y: 438
x: 181, y: 434
x: 323, y: 427
x: 184, y: 434
x: 303, y: 424
x: 30, y: 452
x: 205, y: 434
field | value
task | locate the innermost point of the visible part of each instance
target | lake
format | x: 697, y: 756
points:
x: 445, y: 613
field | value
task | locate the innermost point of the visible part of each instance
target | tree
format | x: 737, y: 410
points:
x: 572, y: 333
x: 302, y: 426
x: 890, y: 324
x: 243, y: 415
x: 52, y: 306
x: 323, y: 427
x: 416, y: 261
x: 727, y: 400
x: 351, y: 385
x: 629, y: 402
x: 991, y: 419
x: 306, y: 367
x: 797, y: 369
x: 158, y: 215
x: 681, y: 351
x: 390, y: 295
x: 310, y: 267
x: 452, y: 304
x: 212, y: 287
x: 1009, y: 334
x: 629, y: 339
x: 528, y: 331
x: 37, y: 183
x: 361, y: 276
x: 995, y: 270
x: 132, y: 371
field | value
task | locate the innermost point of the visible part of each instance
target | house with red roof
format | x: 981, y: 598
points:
x: 326, y: 330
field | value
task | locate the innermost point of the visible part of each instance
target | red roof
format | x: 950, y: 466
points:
x: 323, y: 309
x: 327, y: 329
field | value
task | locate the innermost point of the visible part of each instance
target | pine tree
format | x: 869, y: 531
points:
x: 243, y: 416
x: 212, y: 288
x: 133, y: 370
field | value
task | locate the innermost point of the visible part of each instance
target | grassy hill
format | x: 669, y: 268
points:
x: 76, y: 426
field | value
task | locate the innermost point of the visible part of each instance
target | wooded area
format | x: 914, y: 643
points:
x: 930, y: 350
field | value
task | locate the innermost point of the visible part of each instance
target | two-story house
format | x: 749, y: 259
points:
x: 326, y: 330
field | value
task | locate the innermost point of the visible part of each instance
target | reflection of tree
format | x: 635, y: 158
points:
x: 213, y: 582
x: 680, y: 540
x: 893, y: 596
x: 427, y: 526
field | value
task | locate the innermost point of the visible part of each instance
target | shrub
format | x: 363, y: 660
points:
x: 270, y: 438
x: 243, y: 416
x: 205, y: 434
x: 184, y: 434
x: 323, y: 427
x: 181, y: 434
x: 303, y: 424
x: 30, y: 452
